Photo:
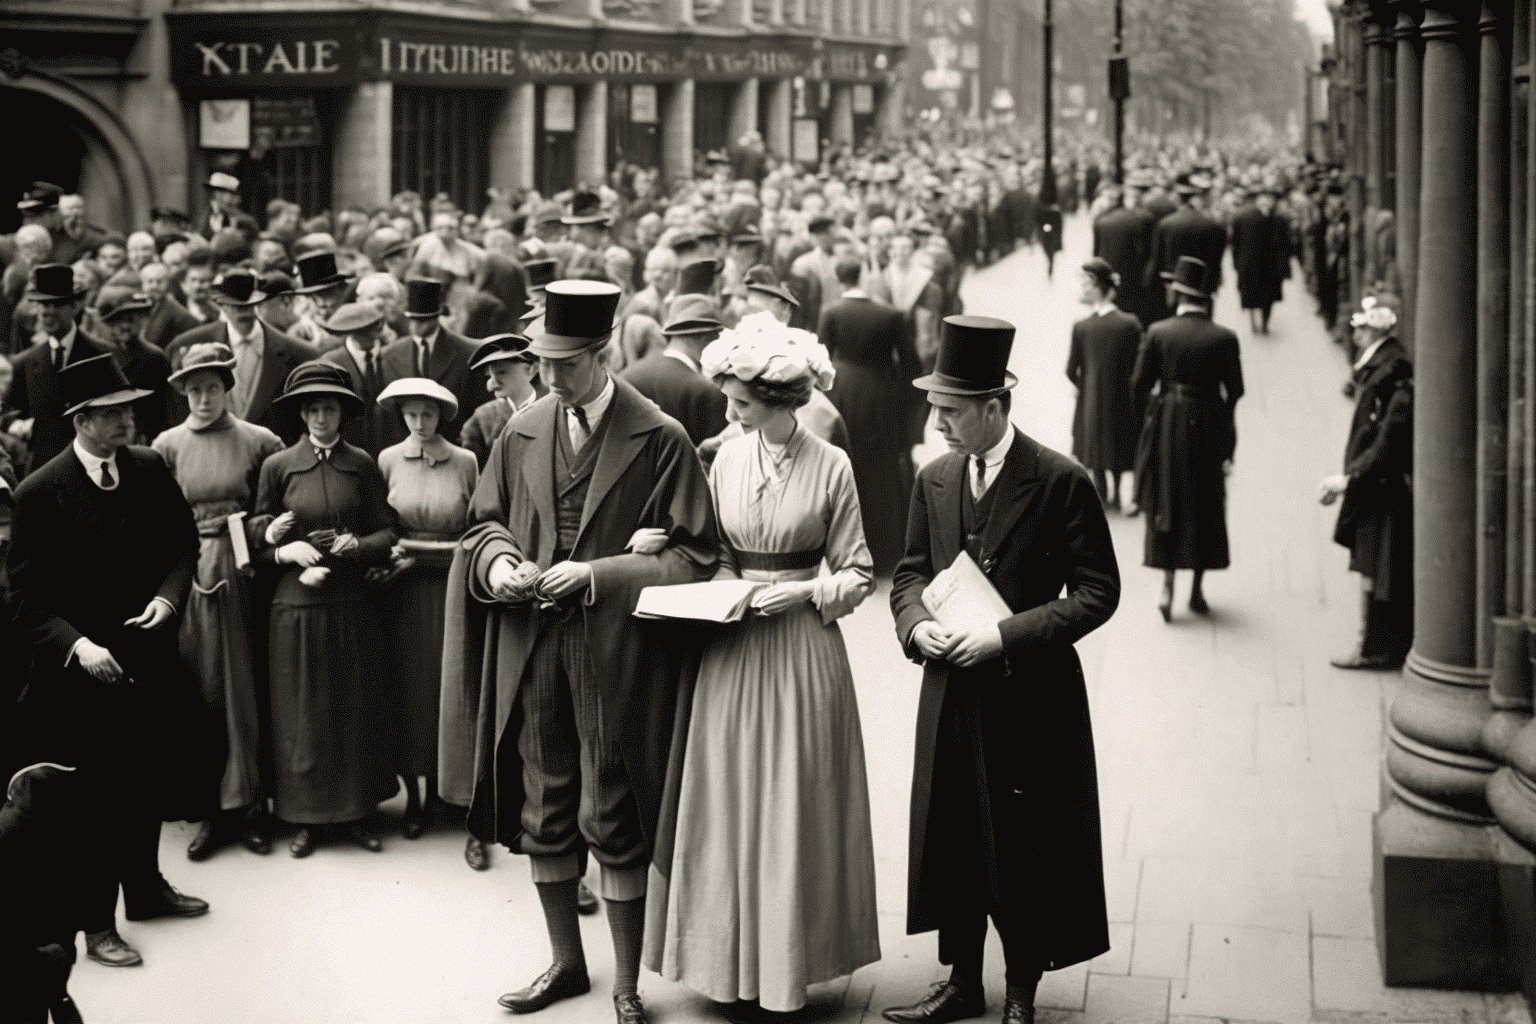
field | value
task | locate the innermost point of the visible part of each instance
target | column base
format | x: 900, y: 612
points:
x: 1439, y: 894
x: 1517, y: 891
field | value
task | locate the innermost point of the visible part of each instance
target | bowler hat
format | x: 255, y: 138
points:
x: 973, y: 358
x: 225, y: 182
x: 317, y: 272
x: 692, y: 314
x: 423, y: 298
x: 352, y: 316
x: 41, y: 196
x: 578, y: 315
x: 761, y: 278
x: 114, y: 301
x: 540, y: 272
x: 1190, y: 277
x: 318, y: 377
x: 500, y: 348
x: 96, y: 382
x: 275, y: 283
x: 397, y: 391
x: 237, y: 288
x: 697, y: 277
x: 209, y: 355
x: 384, y: 243
x: 52, y: 282
x: 820, y: 224
x: 586, y: 208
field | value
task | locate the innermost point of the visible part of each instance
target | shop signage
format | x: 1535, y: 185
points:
x: 401, y: 57
x: 222, y: 53
x: 224, y: 124
x: 844, y: 63
x: 642, y: 104
x: 284, y: 123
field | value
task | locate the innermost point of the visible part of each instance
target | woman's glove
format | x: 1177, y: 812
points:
x: 278, y: 528
x: 314, y: 576
x: 648, y: 540
x: 300, y: 552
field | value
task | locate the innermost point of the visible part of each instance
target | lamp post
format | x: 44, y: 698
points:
x: 1119, y: 89
x: 1047, y: 111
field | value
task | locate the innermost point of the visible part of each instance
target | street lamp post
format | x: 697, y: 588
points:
x: 1047, y: 111
x: 1119, y: 89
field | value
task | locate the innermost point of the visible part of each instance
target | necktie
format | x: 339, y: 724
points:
x: 58, y: 356
x: 107, y: 482
x: 421, y: 359
x: 373, y: 375
x: 980, y: 486
x: 322, y: 453
x: 579, y: 437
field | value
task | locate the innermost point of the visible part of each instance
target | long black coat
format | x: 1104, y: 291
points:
x: 1261, y: 252
x: 35, y: 393
x: 1123, y: 238
x: 1105, y: 426
x: 1376, y: 519
x: 280, y: 355
x: 682, y: 394
x: 83, y: 562
x: 1186, y: 232
x: 1187, y: 433
x: 1027, y: 711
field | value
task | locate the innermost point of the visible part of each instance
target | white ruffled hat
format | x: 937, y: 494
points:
x: 1374, y: 314
x: 761, y: 348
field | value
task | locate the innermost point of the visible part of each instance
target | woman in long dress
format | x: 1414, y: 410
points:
x: 325, y: 518
x: 216, y: 459
x: 772, y: 882
x: 430, y: 483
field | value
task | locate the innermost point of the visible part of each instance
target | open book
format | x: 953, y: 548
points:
x: 961, y: 597
x: 715, y: 601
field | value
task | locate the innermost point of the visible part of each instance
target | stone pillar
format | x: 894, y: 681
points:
x: 1378, y: 41
x: 677, y: 133
x: 1519, y: 205
x: 743, y: 111
x: 592, y: 134
x: 512, y: 139
x: 1409, y: 72
x: 842, y: 114
x: 892, y: 115
x: 781, y: 98
x: 360, y: 155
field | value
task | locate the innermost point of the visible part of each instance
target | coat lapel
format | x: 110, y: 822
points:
x: 949, y: 500
x: 539, y: 425
x: 632, y: 417
x: 1020, y: 476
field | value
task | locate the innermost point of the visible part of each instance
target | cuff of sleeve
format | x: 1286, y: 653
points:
x: 165, y: 601
x: 70, y: 657
x: 591, y: 596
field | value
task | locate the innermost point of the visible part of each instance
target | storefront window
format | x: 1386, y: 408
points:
x: 439, y: 143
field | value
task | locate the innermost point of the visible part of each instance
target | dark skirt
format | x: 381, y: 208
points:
x: 414, y: 617
x: 1180, y: 483
x: 876, y: 407
x: 331, y: 699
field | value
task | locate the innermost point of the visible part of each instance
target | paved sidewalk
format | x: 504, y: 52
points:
x: 1238, y: 774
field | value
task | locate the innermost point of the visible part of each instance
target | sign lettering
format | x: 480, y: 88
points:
x: 299, y: 57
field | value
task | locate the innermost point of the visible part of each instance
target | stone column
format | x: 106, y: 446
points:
x: 360, y: 155
x: 743, y: 111
x: 512, y: 139
x: 677, y: 132
x: 842, y: 114
x: 1409, y: 71
x: 781, y: 98
x: 1378, y: 41
x: 592, y: 134
x: 893, y: 104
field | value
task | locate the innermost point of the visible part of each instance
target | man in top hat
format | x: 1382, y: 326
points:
x: 435, y: 352
x: 697, y: 276
x: 102, y: 559
x: 264, y: 356
x: 673, y: 378
x: 123, y: 314
x: 1122, y: 237
x: 587, y: 223
x: 1187, y: 231
x: 510, y: 369
x: 577, y: 703
x: 540, y: 273
x: 1261, y: 254
x: 224, y: 208
x: 34, y: 395
x: 1005, y: 816
x: 327, y: 289
x: 357, y: 328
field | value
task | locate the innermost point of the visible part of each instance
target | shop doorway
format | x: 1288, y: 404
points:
x: 554, y: 133
x: 54, y: 151
x: 439, y: 144
x: 712, y: 115
x: 634, y: 130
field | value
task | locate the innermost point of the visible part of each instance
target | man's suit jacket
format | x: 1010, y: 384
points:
x: 1024, y: 714
x: 1186, y: 232
x: 1123, y: 238
x: 167, y: 322
x: 682, y: 394
x: 449, y: 367
x: 369, y: 429
x: 279, y: 355
x: 867, y: 332
x: 35, y: 393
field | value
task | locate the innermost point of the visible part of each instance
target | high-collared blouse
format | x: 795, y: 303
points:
x: 430, y: 486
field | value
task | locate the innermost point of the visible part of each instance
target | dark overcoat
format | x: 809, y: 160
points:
x: 1261, y: 253
x: 1376, y: 519
x: 1123, y: 238
x: 647, y: 475
x: 1186, y: 232
x: 167, y: 321
x: 682, y: 392
x: 1187, y: 433
x: 35, y: 393
x: 1105, y: 426
x: 1028, y: 710
x: 280, y: 354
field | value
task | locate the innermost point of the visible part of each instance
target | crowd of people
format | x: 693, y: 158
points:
x: 306, y: 513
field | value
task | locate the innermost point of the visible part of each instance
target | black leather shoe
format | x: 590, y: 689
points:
x: 1017, y: 1011
x: 945, y: 1002
x: 415, y: 822
x: 629, y: 1009
x: 108, y: 949
x: 476, y: 855
x: 209, y: 840
x: 253, y: 838
x: 557, y: 983
x: 168, y: 902
x: 586, y: 903
x: 1197, y: 604
x: 362, y: 837
x: 303, y: 843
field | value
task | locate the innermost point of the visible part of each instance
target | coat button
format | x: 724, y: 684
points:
x: 987, y: 563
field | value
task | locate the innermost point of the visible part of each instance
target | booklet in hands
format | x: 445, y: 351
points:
x: 715, y: 601
x: 961, y: 598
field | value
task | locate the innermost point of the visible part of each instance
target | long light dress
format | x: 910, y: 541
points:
x: 217, y: 467
x: 773, y: 871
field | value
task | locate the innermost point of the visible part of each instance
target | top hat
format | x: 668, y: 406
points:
x: 578, y: 316
x: 114, y: 301
x: 697, y: 277
x: 318, y: 377
x: 41, y: 196
x: 1189, y: 277
x: 423, y: 298
x: 540, y: 272
x: 53, y: 282
x: 317, y: 272
x: 238, y: 287
x: 96, y: 382
x: 500, y: 348
x: 397, y: 391
x: 352, y: 316
x: 220, y: 180
x: 208, y: 355
x: 692, y: 314
x: 761, y: 278
x: 275, y: 283
x: 586, y: 208
x: 820, y: 224
x: 973, y: 358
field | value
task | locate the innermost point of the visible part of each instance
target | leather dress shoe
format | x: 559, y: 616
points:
x: 415, y: 822
x: 362, y: 837
x: 303, y: 843
x: 561, y: 981
x: 168, y: 902
x: 254, y: 838
x: 1017, y: 1011
x: 476, y: 855
x: 209, y: 840
x: 109, y: 949
x: 629, y: 1009
x: 586, y: 903
x: 945, y: 1002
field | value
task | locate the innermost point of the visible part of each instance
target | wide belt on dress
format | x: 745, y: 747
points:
x: 780, y: 561
x: 213, y: 516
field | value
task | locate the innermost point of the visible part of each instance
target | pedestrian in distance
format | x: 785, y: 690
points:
x: 1261, y: 253
x: 1105, y: 426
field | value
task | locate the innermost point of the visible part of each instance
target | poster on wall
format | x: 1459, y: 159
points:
x: 642, y: 104
x: 559, y: 108
x: 863, y: 99
x: 224, y: 124
x: 807, y: 139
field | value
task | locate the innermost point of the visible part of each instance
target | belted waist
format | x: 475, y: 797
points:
x: 428, y: 535
x: 213, y: 516
x: 780, y: 561
x: 1174, y: 388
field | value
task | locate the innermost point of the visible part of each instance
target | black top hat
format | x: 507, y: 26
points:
x: 317, y: 272
x: 586, y: 208
x: 761, y: 278
x: 540, y: 272
x: 423, y: 297
x: 578, y: 315
x: 95, y: 382
x: 500, y: 348
x: 698, y: 277
x: 973, y: 358
x: 318, y: 377
x: 1190, y: 277
x: 238, y: 287
x: 40, y: 197
x: 52, y: 282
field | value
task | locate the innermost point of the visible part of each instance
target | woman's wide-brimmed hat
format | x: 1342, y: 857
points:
x: 501, y: 348
x: 578, y: 316
x: 53, y: 282
x: 760, y: 348
x: 319, y: 379
x: 94, y: 383
x: 396, y: 392
x: 210, y: 355
x: 317, y: 272
x: 973, y: 358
